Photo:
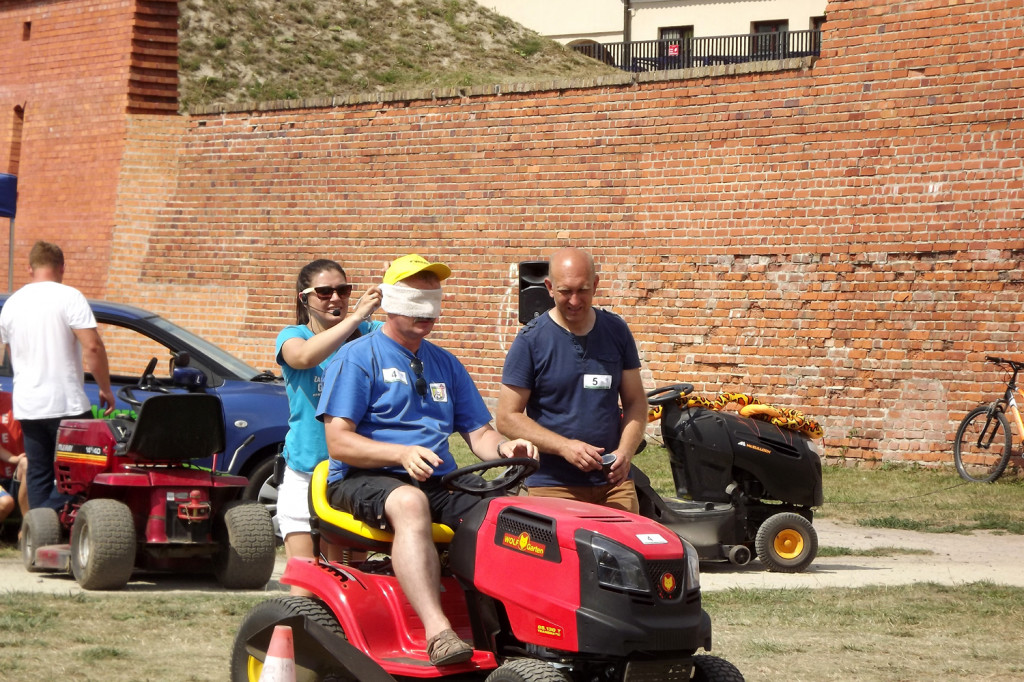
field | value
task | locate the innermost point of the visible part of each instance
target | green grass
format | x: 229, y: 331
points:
x: 871, y: 634
x: 117, y: 637
x: 921, y: 499
x: 913, y: 632
x: 873, y: 552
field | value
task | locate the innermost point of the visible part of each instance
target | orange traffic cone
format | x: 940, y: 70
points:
x: 280, y: 663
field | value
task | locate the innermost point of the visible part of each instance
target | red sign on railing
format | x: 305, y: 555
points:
x: 673, y: 50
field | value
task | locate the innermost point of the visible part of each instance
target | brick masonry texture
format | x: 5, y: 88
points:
x: 841, y: 236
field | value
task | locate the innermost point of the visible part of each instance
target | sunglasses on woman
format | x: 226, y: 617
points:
x: 324, y: 293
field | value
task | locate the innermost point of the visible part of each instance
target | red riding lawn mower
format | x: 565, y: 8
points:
x: 545, y: 590
x: 136, y: 502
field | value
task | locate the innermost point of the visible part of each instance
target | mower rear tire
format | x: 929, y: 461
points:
x: 244, y: 533
x: 103, y: 545
x: 786, y: 543
x: 714, y: 669
x: 526, y: 670
x: 39, y: 528
x: 246, y: 667
x: 262, y: 488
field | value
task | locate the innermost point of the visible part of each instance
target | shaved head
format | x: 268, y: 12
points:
x: 570, y: 258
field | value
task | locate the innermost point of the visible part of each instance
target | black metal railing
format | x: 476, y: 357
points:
x: 688, y: 53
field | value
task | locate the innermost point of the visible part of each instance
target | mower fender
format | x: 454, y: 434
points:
x: 313, y: 641
x: 317, y: 578
x: 337, y: 588
x: 376, y: 617
x: 122, y: 480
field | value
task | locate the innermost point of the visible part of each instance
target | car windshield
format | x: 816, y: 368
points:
x: 240, y: 369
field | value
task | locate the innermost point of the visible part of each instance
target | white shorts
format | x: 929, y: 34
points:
x: 293, y: 502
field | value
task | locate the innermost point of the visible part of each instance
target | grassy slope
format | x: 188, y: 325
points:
x: 238, y: 51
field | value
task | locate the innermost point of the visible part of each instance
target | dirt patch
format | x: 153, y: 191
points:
x: 948, y: 559
x: 14, y: 578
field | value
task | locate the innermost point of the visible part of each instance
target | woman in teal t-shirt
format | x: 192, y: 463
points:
x: 323, y: 325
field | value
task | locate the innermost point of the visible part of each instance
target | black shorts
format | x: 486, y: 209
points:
x: 362, y: 494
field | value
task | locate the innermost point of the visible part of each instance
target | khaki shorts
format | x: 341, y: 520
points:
x: 622, y: 496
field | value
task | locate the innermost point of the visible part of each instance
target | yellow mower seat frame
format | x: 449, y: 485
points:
x: 341, y: 528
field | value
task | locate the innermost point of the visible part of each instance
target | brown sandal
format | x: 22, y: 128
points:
x: 446, y: 648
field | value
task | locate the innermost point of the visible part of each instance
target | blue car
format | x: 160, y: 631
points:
x: 255, y: 402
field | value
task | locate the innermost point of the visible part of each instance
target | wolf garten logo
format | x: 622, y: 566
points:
x: 668, y: 586
x: 523, y: 543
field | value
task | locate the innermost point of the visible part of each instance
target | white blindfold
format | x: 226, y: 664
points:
x: 402, y: 299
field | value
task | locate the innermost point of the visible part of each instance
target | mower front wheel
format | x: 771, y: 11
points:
x: 526, y: 670
x: 103, y: 545
x: 714, y: 669
x: 786, y: 543
x: 39, y: 528
x: 259, y: 624
x: 246, y: 545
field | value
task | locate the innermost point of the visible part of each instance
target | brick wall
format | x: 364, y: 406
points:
x: 843, y: 237
x: 76, y: 68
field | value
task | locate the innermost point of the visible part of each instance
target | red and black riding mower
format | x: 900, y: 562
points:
x: 744, y: 487
x: 545, y: 590
x: 136, y: 502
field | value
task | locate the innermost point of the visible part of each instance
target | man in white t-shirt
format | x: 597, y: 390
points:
x: 48, y: 328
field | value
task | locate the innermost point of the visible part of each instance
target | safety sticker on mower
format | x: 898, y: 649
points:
x: 549, y: 630
x: 651, y: 539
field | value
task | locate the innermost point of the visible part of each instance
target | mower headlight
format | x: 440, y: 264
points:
x: 692, y: 566
x: 618, y: 568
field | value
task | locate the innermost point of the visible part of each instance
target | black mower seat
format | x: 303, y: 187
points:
x: 341, y: 528
x: 177, y: 427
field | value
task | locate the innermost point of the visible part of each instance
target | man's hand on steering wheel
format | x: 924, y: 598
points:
x: 420, y: 462
x: 469, y: 479
x: 520, y: 447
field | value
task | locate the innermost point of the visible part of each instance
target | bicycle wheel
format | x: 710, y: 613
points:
x: 983, y: 445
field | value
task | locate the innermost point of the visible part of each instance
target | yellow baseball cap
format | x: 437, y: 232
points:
x: 407, y: 266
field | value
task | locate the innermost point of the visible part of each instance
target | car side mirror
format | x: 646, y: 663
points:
x: 189, y: 378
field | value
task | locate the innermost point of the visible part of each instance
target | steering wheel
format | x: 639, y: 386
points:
x: 147, y: 382
x: 468, y: 479
x: 668, y: 394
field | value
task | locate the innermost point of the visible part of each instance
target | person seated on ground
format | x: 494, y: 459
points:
x: 11, y: 442
x: 390, y: 401
x: 565, y: 377
x: 7, y: 504
x: 7, y: 501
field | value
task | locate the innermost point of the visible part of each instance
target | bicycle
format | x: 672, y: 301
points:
x: 984, y: 439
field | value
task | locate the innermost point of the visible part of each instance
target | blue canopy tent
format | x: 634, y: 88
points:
x: 8, y: 207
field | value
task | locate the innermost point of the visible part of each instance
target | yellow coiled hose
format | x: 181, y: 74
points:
x: 784, y: 417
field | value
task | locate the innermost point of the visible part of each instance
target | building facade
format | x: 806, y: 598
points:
x: 572, y: 22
